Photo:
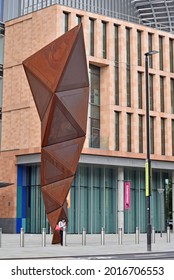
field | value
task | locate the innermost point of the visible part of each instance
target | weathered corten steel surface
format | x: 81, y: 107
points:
x: 58, y: 78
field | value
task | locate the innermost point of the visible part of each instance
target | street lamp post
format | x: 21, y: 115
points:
x: 148, y: 161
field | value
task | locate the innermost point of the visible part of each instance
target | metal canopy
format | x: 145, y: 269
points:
x: 150, y: 11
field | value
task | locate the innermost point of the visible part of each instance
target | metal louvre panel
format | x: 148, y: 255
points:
x: 160, y: 13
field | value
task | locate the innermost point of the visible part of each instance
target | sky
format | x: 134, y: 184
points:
x: 0, y: 10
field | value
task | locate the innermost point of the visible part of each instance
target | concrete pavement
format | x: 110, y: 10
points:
x: 33, y: 248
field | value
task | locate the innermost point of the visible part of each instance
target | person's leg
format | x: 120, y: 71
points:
x: 61, y: 237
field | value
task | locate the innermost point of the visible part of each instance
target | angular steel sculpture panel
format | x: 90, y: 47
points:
x: 58, y: 78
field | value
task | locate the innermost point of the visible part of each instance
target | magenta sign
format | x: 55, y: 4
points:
x: 126, y: 195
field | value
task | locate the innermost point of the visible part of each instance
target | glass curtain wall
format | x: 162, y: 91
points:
x: 31, y: 213
x: 93, y: 200
x: 159, y: 213
x: 135, y: 216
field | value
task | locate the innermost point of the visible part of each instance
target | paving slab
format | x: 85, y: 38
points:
x: 10, y: 245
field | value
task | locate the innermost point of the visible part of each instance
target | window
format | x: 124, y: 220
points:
x: 116, y: 65
x: 150, y: 48
x: 117, y: 116
x: 161, y: 52
x: 140, y: 134
x: 139, y: 47
x: 162, y: 93
x: 65, y: 22
x: 171, y: 47
x: 78, y: 19
x: 116, y: 85
x: 128, y: 46
x: 172, y: 137
x: 152, y: 135
x: 128, y: 74
x: 128, y: 84
x: 94, y: 106
x: 129, y: 132
x: 91, y: 36
x: 172, y: 95
x: 151, y: 91
x: 39, y: 4
x: 116, y: 28
x: 35, y: 5
x: 104, y: 39
x: 140, y: 91
x: 162, y: 136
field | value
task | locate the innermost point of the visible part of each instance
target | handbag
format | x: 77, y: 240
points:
x: 58, y: 228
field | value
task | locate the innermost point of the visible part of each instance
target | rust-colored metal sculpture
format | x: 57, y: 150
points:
x: 58, y: 78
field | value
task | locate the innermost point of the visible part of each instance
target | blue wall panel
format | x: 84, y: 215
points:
x: 21, y: 198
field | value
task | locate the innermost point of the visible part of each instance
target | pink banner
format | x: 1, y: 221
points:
x: 127, y: 195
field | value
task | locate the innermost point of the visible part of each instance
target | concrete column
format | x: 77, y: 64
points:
x: 173, y: 198
x: 121, y: 198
